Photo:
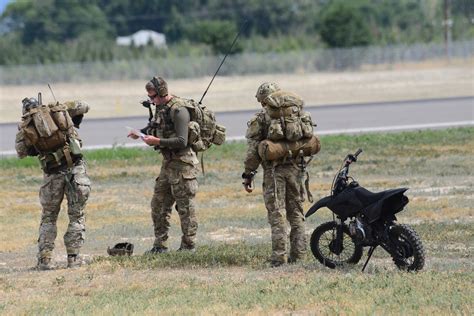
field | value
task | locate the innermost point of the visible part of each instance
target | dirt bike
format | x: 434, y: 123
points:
x: 371, y: 223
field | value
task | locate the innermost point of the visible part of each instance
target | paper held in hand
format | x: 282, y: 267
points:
x: 135, y: 132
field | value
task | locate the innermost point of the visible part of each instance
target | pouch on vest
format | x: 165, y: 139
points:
x: 44, y: 123
x: 194, y: 137
x: 75, y: 147
x: 61, y: 117
x: 55, y: 141
x: 306, y: 124
x: 219, y: 135
x: 275, y: 130
x: 29, y: 132
x: 293, y: 130
x: 254, y: 129
x: 194, y: 132
x: 20, y: 145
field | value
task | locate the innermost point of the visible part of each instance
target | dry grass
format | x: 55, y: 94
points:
x: 434, y: 79
x: 229, y: 274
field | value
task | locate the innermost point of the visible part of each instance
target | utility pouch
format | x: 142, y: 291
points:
x: 194, y: 132
x: 219, y: 135
x: 61, y: 118
x: 53, y: 142
x: 75, y: 147
x: 293, y: 130
x: 306, y: 125
x: 254, y: 129
x: 44, y: 123
x: 275, y: 130
x: 30, y: 134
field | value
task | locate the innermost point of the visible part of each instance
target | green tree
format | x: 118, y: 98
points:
x: 218, y: 34
x: 342, y: 25
x: 57, y: 20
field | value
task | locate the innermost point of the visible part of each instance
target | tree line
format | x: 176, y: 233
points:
x: 52, y: 31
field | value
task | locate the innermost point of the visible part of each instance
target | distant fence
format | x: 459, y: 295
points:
x: 240, y: 64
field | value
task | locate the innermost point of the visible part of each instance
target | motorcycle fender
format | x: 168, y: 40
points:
x: 316, y: 206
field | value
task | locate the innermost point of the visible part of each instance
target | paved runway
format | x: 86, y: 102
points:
x: 331, y: 119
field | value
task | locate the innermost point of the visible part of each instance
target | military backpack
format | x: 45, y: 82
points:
x: 288, y: 121
x: 203, y: 128
x: 284, y: 129
x: 49, y: 130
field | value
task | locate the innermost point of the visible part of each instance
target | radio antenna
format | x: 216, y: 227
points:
x: 223, y: 60
x: 52, y: 93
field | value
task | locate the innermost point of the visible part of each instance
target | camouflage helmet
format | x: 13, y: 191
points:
x: 266, y: 89
x: 159, y: 85
x: 29, y: 103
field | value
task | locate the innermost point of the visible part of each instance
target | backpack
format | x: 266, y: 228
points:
x: 203, y: 128
x: 49, y: 129
x: 288, y: 121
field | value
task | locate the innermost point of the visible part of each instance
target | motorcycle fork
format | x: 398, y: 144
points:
x: 338, y: 245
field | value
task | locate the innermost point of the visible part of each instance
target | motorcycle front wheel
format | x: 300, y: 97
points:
x: 407, y: 250
x: 323, y: 246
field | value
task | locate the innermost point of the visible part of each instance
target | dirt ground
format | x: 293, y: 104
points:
x: 401, y: 82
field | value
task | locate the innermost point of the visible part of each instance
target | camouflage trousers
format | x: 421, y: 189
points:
x: 76, y: 185
x: 176, y: 184
x: 281, y: 192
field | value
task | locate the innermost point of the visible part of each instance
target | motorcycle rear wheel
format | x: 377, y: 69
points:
x: 322, y: 241
x: 408, y: 253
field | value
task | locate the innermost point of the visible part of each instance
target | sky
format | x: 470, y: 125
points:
x: 3, y: 4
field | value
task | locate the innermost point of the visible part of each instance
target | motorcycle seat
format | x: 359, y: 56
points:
x: 367, y: 198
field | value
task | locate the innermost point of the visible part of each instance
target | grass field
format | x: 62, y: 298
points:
x: 229, y: 273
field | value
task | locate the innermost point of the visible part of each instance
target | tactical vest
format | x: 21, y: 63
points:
x: 203, y: 131
x: 49, y: 130
x: 162, y: 126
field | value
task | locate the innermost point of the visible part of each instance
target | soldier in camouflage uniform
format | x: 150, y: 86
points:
x: 281, y: 189
x: 64, y: 173
x: 167, y: 131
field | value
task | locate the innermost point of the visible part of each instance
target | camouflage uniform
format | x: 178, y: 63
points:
x: 60, y: 179
x: 75, y: 184
x: 177, y: 181
x: 281, y: 192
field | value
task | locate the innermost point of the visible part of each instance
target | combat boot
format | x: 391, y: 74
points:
x: 44, y: 264
x: 74, y: 261
x: 275, y: 264
x: 293, y: 260
x: 156, y: 250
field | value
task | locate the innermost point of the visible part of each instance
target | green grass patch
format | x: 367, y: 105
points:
x: 207, y: 256
x: 387, y: 144
x: 229, y: 273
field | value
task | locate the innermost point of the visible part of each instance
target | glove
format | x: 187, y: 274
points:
x: 248, y: 179
x: 248, y: 185
x: 77, y: 120
x: 146, y: 103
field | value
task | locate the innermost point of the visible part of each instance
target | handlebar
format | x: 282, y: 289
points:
x: 341, y: 178
x: 352, y: 157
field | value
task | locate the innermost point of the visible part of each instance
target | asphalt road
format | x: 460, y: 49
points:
x: 331, y: 119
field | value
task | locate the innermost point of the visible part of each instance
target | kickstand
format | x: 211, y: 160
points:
x: 371, y: 251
